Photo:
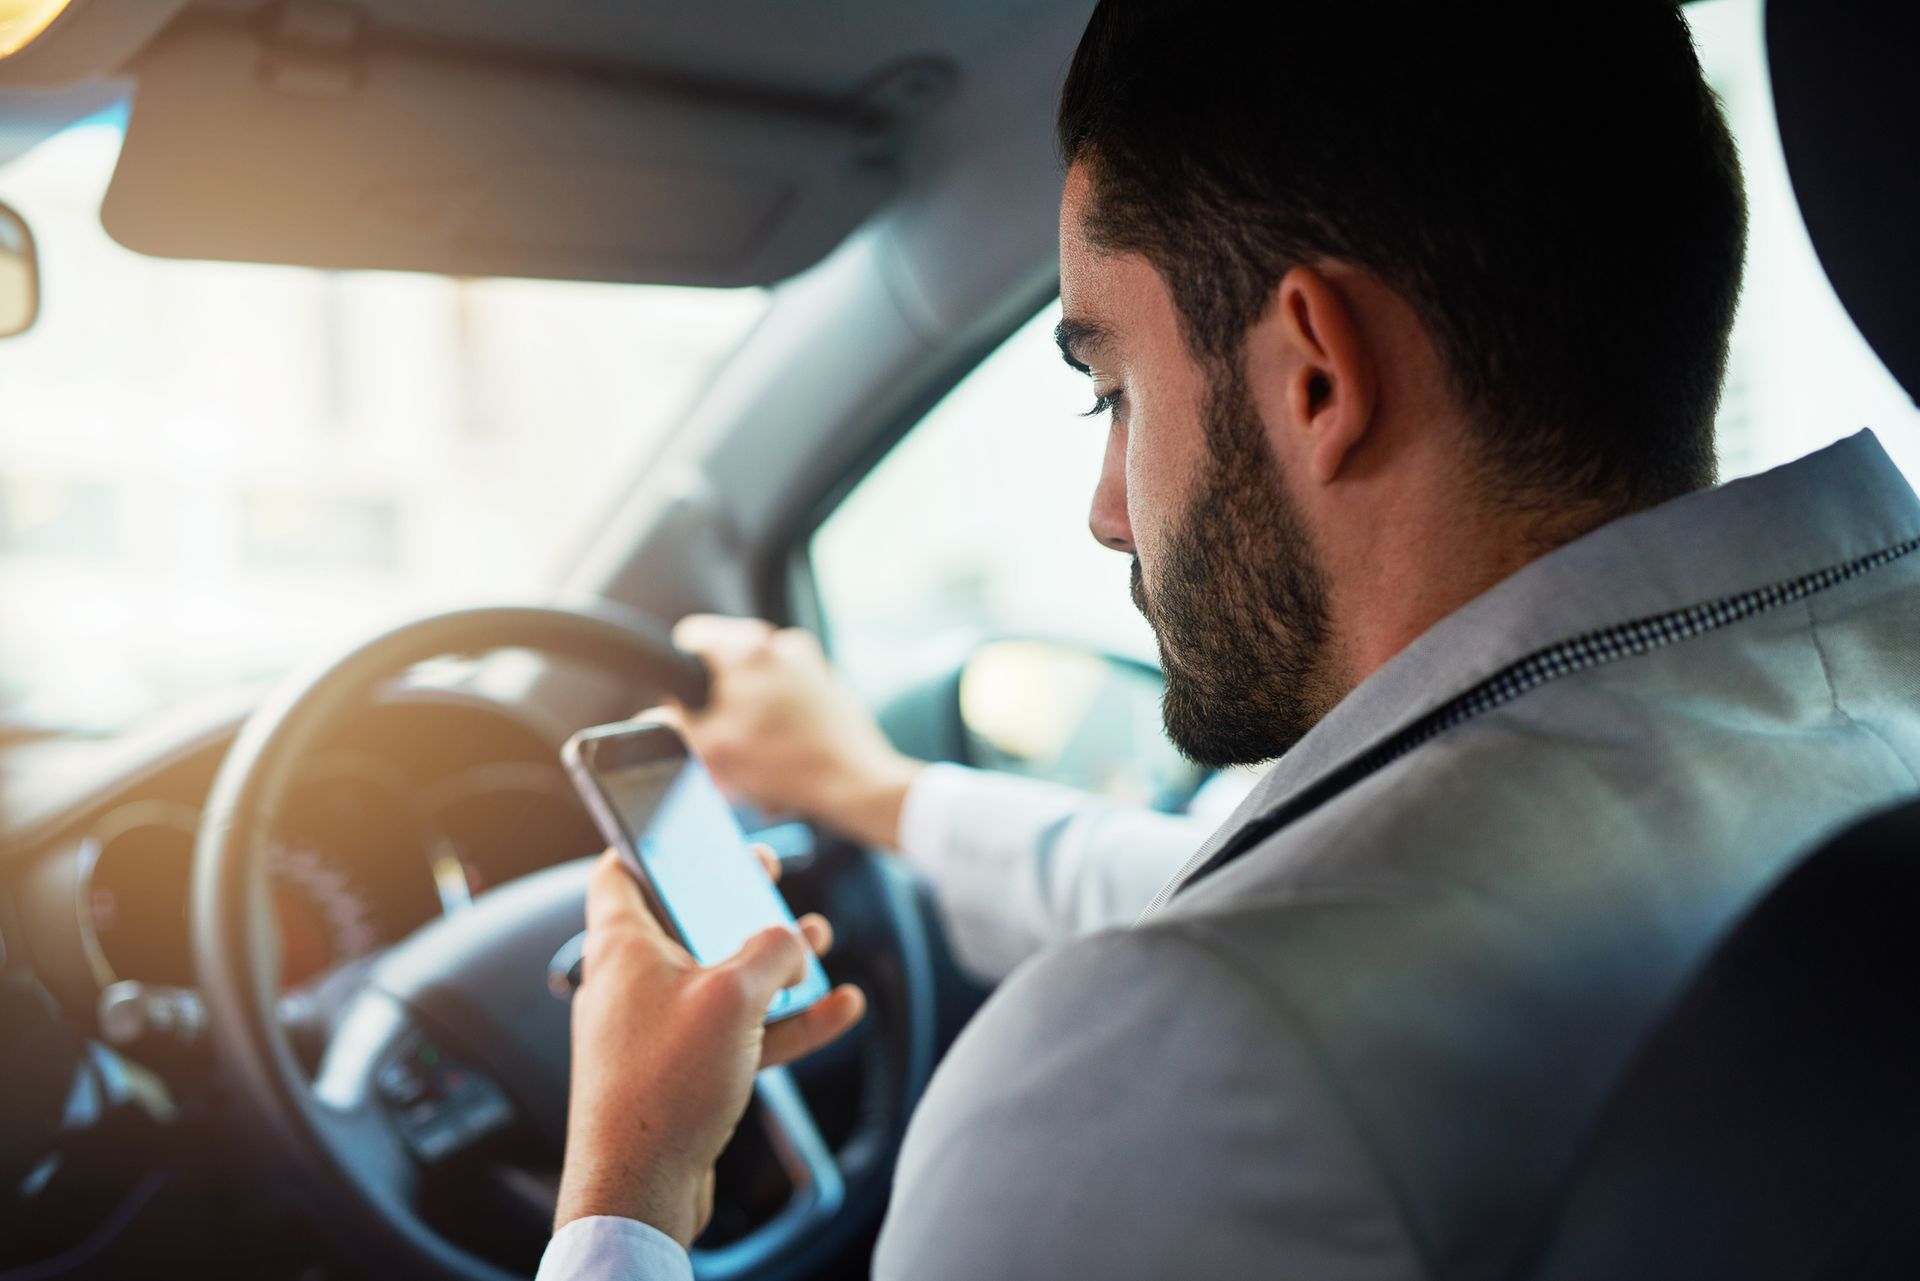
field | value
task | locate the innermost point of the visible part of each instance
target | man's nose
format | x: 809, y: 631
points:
x: 1108, y: 519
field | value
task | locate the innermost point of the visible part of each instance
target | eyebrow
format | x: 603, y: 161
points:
x: 1077, y: 339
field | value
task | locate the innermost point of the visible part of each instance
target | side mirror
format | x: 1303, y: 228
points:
x: 1071, y: 715
x: 19, y: 275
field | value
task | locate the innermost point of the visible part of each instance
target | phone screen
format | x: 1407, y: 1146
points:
x: 674, y: 820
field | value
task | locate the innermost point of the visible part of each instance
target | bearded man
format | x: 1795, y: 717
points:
x: 1410, y: 320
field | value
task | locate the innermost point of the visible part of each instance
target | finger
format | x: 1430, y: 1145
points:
x: 716, y: 635
x: 615, y: 904
x: 821, y: 1023
x: 774, y: 958
x: 768, y: 860
x: 670, y: 714
x: 703, y: 1203
x: 817, y: 930
x: 797, y: 642
x: 692, y: 631
x: 611, y: 892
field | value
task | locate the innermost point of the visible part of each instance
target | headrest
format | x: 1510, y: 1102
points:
x: 1845, y: 91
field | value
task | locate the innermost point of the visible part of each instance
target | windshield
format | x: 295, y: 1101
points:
x: 210, y: 471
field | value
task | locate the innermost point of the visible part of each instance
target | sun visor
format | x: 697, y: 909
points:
x: 329, y: 150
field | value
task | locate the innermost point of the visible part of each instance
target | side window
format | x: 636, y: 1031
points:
x: 974, y: 530
x: 975, y: 527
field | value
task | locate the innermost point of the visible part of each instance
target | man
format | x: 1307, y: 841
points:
x: 1016, y: 863
x: 1411, y: 319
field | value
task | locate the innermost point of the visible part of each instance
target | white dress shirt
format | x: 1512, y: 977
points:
x: 1019, y: 864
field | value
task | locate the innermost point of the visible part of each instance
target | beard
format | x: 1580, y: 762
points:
x: 1239, y: 603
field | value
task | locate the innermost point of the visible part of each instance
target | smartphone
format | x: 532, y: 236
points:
x: 663, y: 815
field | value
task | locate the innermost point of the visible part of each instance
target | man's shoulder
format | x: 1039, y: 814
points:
x: 1129, y: 1105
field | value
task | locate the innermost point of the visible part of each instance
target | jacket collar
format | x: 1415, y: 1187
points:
x: 1837, y: 505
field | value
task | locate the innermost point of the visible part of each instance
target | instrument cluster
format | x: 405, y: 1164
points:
x: 352, y: 867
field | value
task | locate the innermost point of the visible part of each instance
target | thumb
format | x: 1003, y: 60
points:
x: 773, y: 959
x: 615, y: 904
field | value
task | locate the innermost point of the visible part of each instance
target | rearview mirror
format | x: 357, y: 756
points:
x: 1071, y: 715
x: 19, y: 275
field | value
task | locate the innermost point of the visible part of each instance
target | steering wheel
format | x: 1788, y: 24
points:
x: 456, y: 1037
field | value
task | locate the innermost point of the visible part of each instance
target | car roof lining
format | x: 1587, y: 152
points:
x: 644, y: 142
x: 799, y: 48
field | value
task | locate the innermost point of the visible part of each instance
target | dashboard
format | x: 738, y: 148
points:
x: 355, y: 864
x: 112, y: 1104
x: 425, y: 804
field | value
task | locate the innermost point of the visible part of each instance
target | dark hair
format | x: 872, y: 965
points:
x: 1551, y: 187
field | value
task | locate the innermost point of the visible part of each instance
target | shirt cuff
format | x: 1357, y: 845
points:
x: 926, y: 816
x: 602, y: 1247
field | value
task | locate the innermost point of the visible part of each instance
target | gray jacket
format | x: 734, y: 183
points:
x: 1364, y: 1046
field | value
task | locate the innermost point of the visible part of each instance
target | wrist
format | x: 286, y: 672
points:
x: 629, y: 1188
x: 867, y: 802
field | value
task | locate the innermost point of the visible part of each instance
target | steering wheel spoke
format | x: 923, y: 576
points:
x: 347, y: 1109
x: 818, y: 1189
x: 397, y: 1102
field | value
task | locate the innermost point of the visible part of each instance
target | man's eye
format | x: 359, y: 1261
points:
x: 1103, y: 403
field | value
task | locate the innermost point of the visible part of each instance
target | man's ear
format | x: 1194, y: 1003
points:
x: 1331, y: 380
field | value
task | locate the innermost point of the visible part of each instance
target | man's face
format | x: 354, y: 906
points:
x: 1224, y: 566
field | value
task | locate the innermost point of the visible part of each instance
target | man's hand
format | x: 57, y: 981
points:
x: 664, y: 1053
x: 781, y: 730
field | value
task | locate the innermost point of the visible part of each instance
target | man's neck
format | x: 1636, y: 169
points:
x: 1430, y: 554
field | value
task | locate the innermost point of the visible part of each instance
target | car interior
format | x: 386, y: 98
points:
x: 384, y: 378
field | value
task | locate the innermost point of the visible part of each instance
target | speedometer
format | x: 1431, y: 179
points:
x: 324, y: 919
x: 133, y: 885
x: 136, y: 905
x: 351, y: 871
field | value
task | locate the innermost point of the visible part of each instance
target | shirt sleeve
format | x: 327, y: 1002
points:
x: 1131, y: 1107
x: 1020, y: 864
x: 604, y: 1248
